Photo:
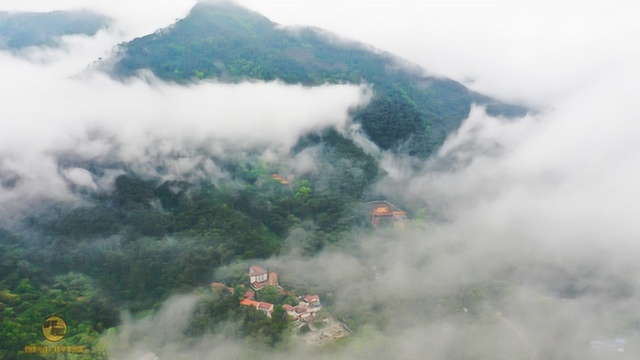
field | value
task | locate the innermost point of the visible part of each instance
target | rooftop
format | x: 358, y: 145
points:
x: 255, y: 270
x: 249, y: 302
x: 312, y: 298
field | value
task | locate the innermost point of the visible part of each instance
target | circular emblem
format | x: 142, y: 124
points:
x: 54, y: 328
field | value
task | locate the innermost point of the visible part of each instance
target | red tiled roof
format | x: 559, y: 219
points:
x: 287, y: 307
x: 255, y: 270
x: 265, y: 306
x: 312, y: 298
x: 249, y: 294
x: 301, y: 309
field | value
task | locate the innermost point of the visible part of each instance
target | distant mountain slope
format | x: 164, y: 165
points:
x: 20, y: 30
x: 410, y: 112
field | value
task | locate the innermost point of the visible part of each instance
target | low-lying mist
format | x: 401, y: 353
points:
x: 530, y: 254
x: 530, y: 251
x: 59, y: 116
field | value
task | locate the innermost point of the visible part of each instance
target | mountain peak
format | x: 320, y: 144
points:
x: 410, y: 112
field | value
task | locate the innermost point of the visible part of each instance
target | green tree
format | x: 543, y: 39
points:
x: 270, y: 294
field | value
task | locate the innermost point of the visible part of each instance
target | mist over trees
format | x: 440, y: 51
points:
x: 225, y: 140
x: 410, y: 112
x: 148, y: 239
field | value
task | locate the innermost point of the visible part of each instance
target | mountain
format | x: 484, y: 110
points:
x: 20, y: 30
x: 410, y: 113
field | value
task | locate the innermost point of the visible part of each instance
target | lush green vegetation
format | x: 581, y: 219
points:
x: 148, y: 239
x: 134, y: 247
x: 21, y: 30
x: 220, y: 307
x: 410, y: 112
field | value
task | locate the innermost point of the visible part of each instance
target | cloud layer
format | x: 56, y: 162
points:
x: 55, y: 110
x: 536, y: 251
x: 534, y: 52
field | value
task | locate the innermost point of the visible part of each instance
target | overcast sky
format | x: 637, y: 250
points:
x: 523, y: 50
x: 526, y: 51
x: 559, y: 187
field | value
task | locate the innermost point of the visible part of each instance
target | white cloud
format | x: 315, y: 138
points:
x: 53, y: 107
x: 548, y: 201
x: 527, y: 51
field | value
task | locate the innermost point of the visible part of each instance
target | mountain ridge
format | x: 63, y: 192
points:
x: 410, y: 112
x: 24, y: 29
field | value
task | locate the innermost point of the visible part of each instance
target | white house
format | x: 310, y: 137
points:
x: 258, y: 277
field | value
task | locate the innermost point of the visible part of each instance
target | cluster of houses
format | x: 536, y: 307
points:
x: 259, y: 278
x: 306, y: 309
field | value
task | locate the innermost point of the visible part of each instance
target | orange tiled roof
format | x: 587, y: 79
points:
x: 248, y: 302
x: 381, y: 211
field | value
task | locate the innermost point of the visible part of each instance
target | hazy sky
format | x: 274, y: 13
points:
x: 529, y: 51
x: 555, y: 192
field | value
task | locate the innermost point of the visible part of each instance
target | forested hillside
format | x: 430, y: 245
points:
x: 20, y: 30
x: 410, y: 112
x: 133, y: 244
x: 148, y: 239
x: 228, y: 188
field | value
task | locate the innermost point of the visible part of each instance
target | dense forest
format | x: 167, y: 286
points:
x: 148, y: 239
x: 136, y: 197
x: 21, y: 30
x: 410, y: 112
